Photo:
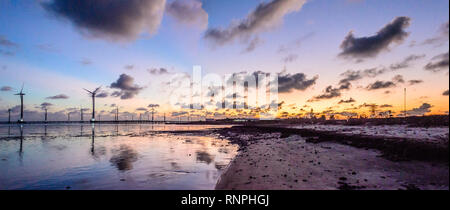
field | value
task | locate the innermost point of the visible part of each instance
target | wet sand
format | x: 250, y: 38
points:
x: 279, y: 159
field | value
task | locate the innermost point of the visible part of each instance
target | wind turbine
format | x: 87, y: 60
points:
x: 21, y: 94
x: 93, y: 94
x: 9, y: 115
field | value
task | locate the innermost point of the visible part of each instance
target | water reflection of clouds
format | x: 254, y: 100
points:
x: 123, y: 157
x: 203, y: 156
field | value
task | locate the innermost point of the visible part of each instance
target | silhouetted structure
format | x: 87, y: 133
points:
x: 21, y: 94
x: 9, y: 115
x: 93, y: 94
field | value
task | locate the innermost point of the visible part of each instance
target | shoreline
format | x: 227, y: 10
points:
x: 280, y: 158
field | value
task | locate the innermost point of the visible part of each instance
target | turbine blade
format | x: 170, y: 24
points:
x: 95, y: 91
x: 87, y: 91
x: 21, y: 90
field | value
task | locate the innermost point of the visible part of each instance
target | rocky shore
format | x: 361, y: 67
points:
x: 281, y: 158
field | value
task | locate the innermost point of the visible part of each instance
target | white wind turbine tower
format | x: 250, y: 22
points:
x: 21, y: 94
x: 93, y: 94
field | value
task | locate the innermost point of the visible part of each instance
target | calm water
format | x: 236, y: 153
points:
x: 110, y: 157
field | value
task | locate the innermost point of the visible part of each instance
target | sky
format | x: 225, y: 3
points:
x: 341, y: 58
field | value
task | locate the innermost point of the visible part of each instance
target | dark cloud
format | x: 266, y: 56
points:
x: 438, y: 63
x: 386, y: 106
x: 153, y: 106
x: 415, y: 82
x: 398, y: 79
x: 127, y: 89
x: 380, y: 85
x: 348, y: 101
x: 423, y: 109
x: 371, y: 46
x: 102, y: 95
x: 289, y: 82
x: 189, y: 12
x: 445, y: 93
x: 60, y: 96
x: 110, y: 19
x: 156, y: 71
x: 329, y: 93
x: 406, y: 62
x: 264, y: 17
x: 6, y: 88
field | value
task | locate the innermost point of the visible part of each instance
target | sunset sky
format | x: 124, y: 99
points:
x: 338, y: 57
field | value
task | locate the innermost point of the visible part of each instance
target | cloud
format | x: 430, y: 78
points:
x: 351, y: 76
x: 441, y: 38
x: 348, y: 101
x: 380, y: 85
x: 445, y: 93
x: 127, y: 89
x: 329, y: 93
x: 110, y: 19
x: 423, y: 109
x: 129, y: 67
x: 386, y: 84
x: 188, y: 12
x: 153, y: 106
x: 415, y: 82
x: 289, y: 82
x: 177, y: 114
x: 386, y: 106
x: 253, y: 45
x: 60, y: 96
x: 86, y: 61
x: 406, y: 62
x: 156, y: 71
x: 398, y: 79
x: 264, y: 17
x: 295, y: 44
x: 45, y: 105
x: 440, y: 64
x: 141, y: 109
x: 371, y: 46
x: 6, y: 88
x: 7, y: 43
x: 102, y: 95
